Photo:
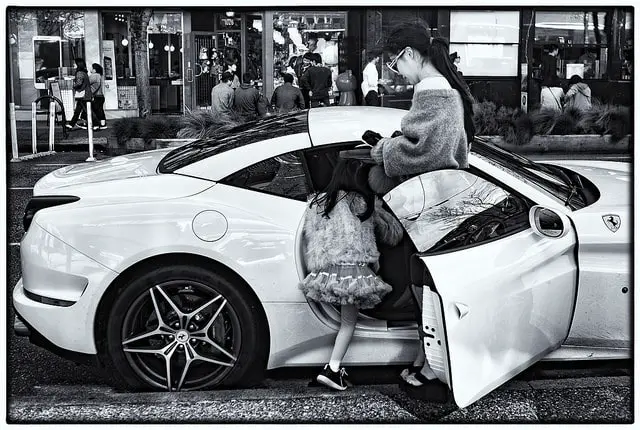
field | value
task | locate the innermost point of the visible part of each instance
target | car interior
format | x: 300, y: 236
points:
x: 399, y: 305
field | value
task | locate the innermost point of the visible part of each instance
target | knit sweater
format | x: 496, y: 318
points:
x: 343, y: 238
x: 433, y: 136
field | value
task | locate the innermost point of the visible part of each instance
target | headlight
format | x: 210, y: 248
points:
x: 41, y: 202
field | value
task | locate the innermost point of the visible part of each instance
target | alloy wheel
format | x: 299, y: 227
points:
x: 181, y: 335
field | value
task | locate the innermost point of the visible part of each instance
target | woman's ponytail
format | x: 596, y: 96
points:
x: 439, y: 56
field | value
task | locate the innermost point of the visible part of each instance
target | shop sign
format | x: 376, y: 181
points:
x: 110, y: 88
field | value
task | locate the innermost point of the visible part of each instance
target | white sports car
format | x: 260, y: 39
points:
x: 179, y: 268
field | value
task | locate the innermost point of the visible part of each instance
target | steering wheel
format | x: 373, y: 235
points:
x: 487, y: 229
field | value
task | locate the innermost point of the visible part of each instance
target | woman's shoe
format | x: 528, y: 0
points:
x: 431, y: 391
x: 409, y: 371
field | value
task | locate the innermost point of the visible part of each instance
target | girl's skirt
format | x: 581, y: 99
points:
x: 345, y: 284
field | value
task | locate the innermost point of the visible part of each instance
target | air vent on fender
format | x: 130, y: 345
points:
x: 42, y: 202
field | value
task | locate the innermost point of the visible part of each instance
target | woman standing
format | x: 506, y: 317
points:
x: 97, y: 105
x: 435, y: 134
x: 370, y: 81
x: 82, y: 88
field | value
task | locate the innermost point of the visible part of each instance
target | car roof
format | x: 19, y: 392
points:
x: 347, y: 123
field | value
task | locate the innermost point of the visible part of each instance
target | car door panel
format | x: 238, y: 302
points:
x: 497, y: 301
x: 505, y: 305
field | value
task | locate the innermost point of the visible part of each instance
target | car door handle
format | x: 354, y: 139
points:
x: 462, y: 309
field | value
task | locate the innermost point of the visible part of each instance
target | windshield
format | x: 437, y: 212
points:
x: 562, y: 184
x: 229, y: 138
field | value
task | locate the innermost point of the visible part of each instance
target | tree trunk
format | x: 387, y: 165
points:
x: 139, y: 21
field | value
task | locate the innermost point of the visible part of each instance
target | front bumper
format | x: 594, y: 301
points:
x: 53, y: 270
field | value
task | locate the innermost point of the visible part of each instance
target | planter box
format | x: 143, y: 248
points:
x: 567, y: 144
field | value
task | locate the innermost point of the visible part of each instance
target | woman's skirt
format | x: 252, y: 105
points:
x: 344, y: 284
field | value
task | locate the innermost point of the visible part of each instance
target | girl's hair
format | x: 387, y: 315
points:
x: 349, y: 175
x: 97, y: 67
x: 81, y: 65
x: 417, y: 35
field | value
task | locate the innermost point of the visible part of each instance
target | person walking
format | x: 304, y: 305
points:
x: 287, y: 97
x: 551, y: 93
x: 578, y: 95
x: 96, y: 81
x: 248, y: 102
x: 339, y: 248
x: 435, y: 134
x: 222, y: 95
x: 370, y: 79
x: 82, y: 88
x: 317, y: 81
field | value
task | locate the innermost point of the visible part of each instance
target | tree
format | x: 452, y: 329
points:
x: 139, y: 22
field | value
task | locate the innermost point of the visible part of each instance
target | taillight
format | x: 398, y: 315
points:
x: 41, y: 202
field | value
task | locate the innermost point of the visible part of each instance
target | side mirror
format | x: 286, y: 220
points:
x: 546, y: 222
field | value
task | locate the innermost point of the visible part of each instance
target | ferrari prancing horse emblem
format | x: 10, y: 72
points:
x: 612, y: 222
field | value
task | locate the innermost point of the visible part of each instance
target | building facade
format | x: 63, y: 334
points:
x: 188, y: 49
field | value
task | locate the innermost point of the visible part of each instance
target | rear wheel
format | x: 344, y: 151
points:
x: 186, y: 328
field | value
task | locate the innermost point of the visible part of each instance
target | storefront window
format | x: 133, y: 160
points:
x: 295, y: 33
x: 581, y: 39
x: 115, y: 27
x: 165, y: 61
x: 254, y: 47
x: 486, y: 41
x: 69, y: 25
x: 627, y: 50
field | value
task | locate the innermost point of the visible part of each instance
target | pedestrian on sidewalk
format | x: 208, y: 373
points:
x: 341, y: 254
x: 370, y: 81
x: 578, y: 95
x: 97, y: 105
x: 317, y: 81
x: 82, y: 88
x: 248, y: 102
x: 222, y: 95
x: 551, y: 94
x: 287, y: 97
x: 435, y: 134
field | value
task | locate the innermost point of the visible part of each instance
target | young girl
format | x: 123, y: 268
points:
x: 339, y: 249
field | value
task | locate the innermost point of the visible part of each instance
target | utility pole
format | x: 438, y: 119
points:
x: 12, y: 107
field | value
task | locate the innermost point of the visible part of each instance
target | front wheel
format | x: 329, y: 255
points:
x: 186, y: 328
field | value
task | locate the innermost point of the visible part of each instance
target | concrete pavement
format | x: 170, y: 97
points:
x: 571, y: 400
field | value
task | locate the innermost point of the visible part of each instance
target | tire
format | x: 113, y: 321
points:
x: 234, y: 322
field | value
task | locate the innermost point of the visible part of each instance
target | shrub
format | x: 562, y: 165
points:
x: 200, y: 124
x: 484, y: 118
x: 164, y: 127
x: 615, y: 120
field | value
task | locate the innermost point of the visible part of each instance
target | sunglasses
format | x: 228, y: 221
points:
x: 393, y: 63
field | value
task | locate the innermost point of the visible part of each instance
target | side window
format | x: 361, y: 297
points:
x: 451, y: 209
x: 282, y: 175
x: 321, y: 161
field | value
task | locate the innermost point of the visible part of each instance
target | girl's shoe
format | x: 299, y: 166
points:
x: 331, y: 379
x: 103, y: 127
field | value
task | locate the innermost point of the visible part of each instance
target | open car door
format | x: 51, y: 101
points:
x: 499, y: 277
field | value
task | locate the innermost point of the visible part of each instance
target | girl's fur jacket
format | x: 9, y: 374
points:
x: 343, y: 238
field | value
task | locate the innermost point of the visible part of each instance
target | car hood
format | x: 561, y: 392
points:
x: 612, y: 178
x: 116, y: 168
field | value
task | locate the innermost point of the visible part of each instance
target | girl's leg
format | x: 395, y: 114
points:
x: 348, y: 319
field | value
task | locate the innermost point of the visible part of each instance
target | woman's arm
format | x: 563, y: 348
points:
x: 433, y: 130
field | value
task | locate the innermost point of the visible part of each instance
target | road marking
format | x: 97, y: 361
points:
x: 21, y: 188
x: 14, y: 244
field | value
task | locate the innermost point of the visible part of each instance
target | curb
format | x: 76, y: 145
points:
x: 32, y: 156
